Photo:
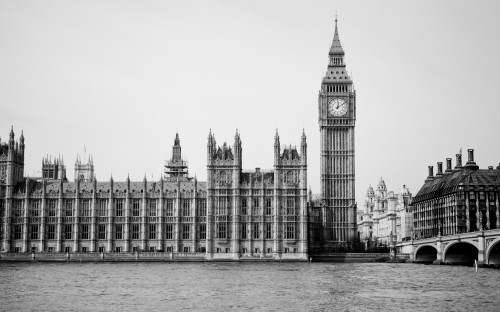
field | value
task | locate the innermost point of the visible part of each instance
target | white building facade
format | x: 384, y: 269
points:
x: 385, y: 214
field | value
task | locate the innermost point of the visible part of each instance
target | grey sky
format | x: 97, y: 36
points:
x: 122, y: 77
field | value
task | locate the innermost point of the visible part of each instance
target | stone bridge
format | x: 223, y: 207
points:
x: 464, y: 248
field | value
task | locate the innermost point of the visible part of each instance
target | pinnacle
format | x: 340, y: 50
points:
x: 336, y: 46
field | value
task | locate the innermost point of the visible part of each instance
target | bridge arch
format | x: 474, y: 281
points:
x: 425, y: 254
x: 460, y: 253
x: 493, y: 253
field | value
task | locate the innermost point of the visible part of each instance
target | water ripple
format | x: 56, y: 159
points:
x: 245, y: 287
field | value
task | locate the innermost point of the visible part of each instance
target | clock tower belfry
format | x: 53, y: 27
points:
x: 337, y: 116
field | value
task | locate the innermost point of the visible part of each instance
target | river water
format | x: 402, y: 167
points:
x: 246, y: 286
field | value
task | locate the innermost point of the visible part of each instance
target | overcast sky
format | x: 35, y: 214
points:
x: 121, y: 77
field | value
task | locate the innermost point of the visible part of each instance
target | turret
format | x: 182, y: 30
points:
x: 237, y: 149
x: 210, y: 146
x: 276, y: 147
x: 21, y: 145
x: 303, y: 147
x: 11, y: 138
x: 381, y: 186
x: 176, y: 149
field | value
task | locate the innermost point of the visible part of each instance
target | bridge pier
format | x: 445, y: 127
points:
x: 481, y: 250
x: 412, y: 252
x: 439, y: 248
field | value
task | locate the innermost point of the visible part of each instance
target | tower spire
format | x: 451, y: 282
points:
x: 336, y: 47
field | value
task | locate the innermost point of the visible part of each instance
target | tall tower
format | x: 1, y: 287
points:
x: 11, y: 174
x: 337, y: 116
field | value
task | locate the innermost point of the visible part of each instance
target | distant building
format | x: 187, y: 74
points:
x: 84, y: 172
x: 385, y: 214
x: 459, y: 200
x: 53, y: 169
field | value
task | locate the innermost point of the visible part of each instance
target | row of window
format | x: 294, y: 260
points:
x: 168, y: 249
x: 119, y: 229
x: 102, y: 208
x: 102, y: 234
x: 222, y: 205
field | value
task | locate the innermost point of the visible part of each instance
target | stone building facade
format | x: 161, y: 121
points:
x: 386, y: 216
x: 458, y: 200
x: 235, y: 213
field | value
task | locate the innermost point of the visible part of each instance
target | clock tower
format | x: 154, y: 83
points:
x: 337, y: 117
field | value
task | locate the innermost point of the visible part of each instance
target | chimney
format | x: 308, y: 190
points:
x: 471, y: 164
x: 440, y: 169
x: 458, y: 166
x: 257, y: 170
x: 470, y: 152
x: 448, y: 165
x: 431, y: 174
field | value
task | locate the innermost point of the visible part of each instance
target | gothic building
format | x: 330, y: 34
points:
x: 236, y: 213
x: 337, y: 116
x: 257, y: 211
x: 386, y: 216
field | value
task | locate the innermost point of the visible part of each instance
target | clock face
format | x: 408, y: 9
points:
x: 337, y: 107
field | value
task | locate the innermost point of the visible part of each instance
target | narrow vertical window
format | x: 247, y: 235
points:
x: 269, y: 231
x: 84, y: 231
x: 68, y: 208
x: 102, y: 209
x: 244, y: 208
x: 186, y: 208
x: 256, y: 231
x: 243, y: 231
x: 169, y: 231
x: 135, y: 231
x: 102, y: 231
x: 152, y: 231
x: 203, y: 231
x: 119, y: 207
x: 170, y: 208
x: 136, y: 208
x: 119, y: 231
x: 186, y: 231
x: 68, y: 231
x: 34, y: 231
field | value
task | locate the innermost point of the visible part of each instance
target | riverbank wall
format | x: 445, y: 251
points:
x: 187, y: 257
x: 350, y: 257
x: 146, y: 257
